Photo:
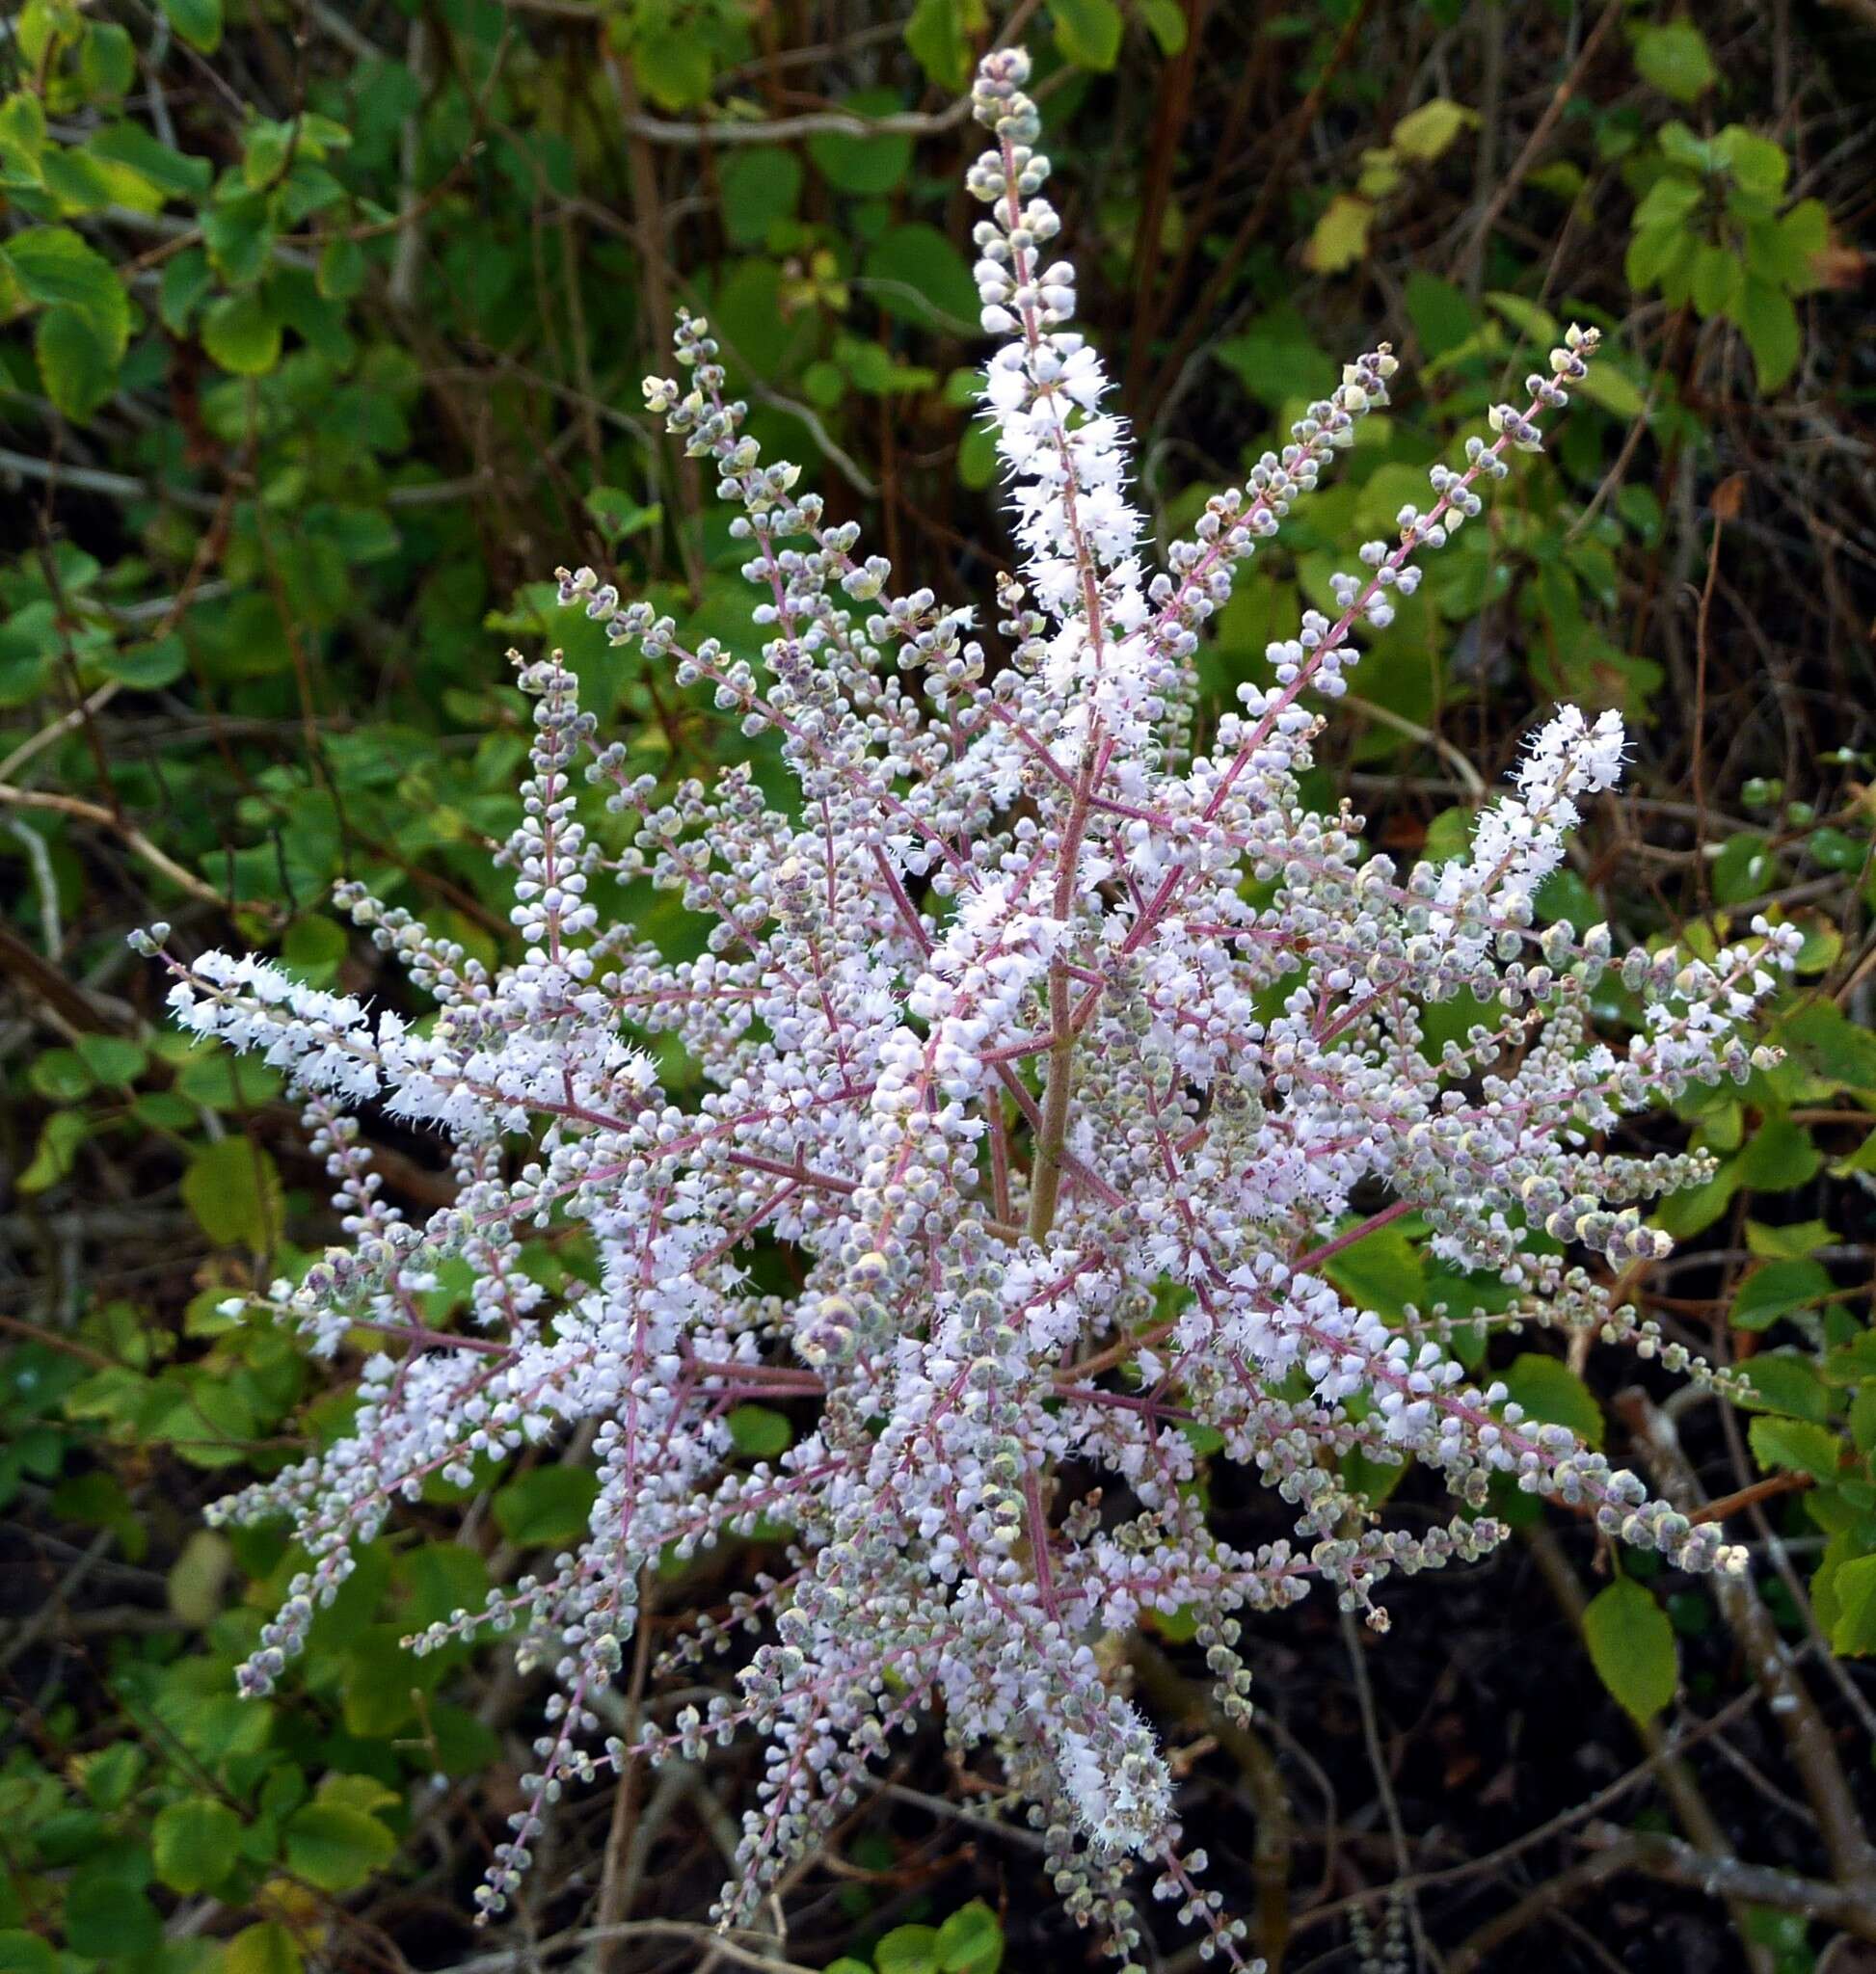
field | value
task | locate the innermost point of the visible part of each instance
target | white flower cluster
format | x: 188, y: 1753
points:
x: 1058, y: 1121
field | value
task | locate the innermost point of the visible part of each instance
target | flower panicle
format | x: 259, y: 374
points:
x: 1052, y: 1055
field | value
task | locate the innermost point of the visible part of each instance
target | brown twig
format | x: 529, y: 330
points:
x: 1506, y: 190
x: 1747, y: 1497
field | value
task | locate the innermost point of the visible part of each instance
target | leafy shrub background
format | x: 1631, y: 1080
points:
x: 320, y: 330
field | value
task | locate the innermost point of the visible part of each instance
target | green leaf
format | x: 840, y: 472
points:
x: 107, y: 60
x: 1442, y: 317
x: 146, y: 667
x: 242, y: 333
x: 1770, y: 324
x: 265, y: 1949
x: 77, y: 364
x: 976, y: 458
x: 1719, y: 280
x: 1742, y: 867
x: 77, y: 180
x: 208, y: 1419
x: 1675, y: 60
x: 1785, y: 1381
x: 970, y: 1941
x: 1862, y: 1417
x: 22, y: 135
x: 1831, y: 1046
x: 198, y: 21
x: 619, y: 515
x: 1657, y: 256
x: 1275, y: 361
x: 171, y: 171
x: 1795, y: 1444
x: 441, y: 1578
x: 938, y: 35
x: 460, y: 1744
x: 60, y: 1137
x: 1423, y: 134
x: 1527, y: 317
x: 1165, y: 20
x: 99, y: 1500
x: 53, y: 265
x: 61, y: 1075
x: 359, y: 1792
x: 1792, y: 1242
x: 109, y: 1775
x: 759, y: 1432
x: 26, y: 1953
x: 24, y: 670
x: 1835, y: 849
x: 1563, y: 894
x: 1382, y: 1271
x: 1853, y: 1586
x: 1549, y: 1390
x: 908, y: 1950
x: 219, y: 1080
x: 1669, y: 201
x: 761, y: 184
x: 336, y: 1847
x: 1756, y: 163
x: 110, y: 1920
x: 341, y: 269
x: 239, y: 234
x: 1087, y: 32
x: 186, y: 280
x: 1776, y: 1289
x: 314, y: 949
x: 923, y: 278
x: 193, y: 1843
x: 673, y: 66
x: 264, y: 155
x: 233, y: 1190
x: 864, y: 164
x: 1778, y: 1155
x: 1632, y: 1645
x: 198, y: 1578
x: 381, y: 1683
x: 112, y: 1059
x: 548, y: 1505
x: 824, y: 384
x: 1804, y: 235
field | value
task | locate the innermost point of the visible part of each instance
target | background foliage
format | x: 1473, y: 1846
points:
x: 320, y: 327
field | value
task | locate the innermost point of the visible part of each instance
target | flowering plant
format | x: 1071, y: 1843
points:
x: 1059, y: 1056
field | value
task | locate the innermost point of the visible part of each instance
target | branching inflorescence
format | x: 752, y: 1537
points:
x: 1058, y: 1058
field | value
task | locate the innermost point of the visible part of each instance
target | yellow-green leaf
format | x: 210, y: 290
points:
x: 1632, y: 1647
x: 1423, y: 134
x: 1675, y: 58
x: 265, y: 1949
x: 1340, y: 237
x: 242, y: 333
